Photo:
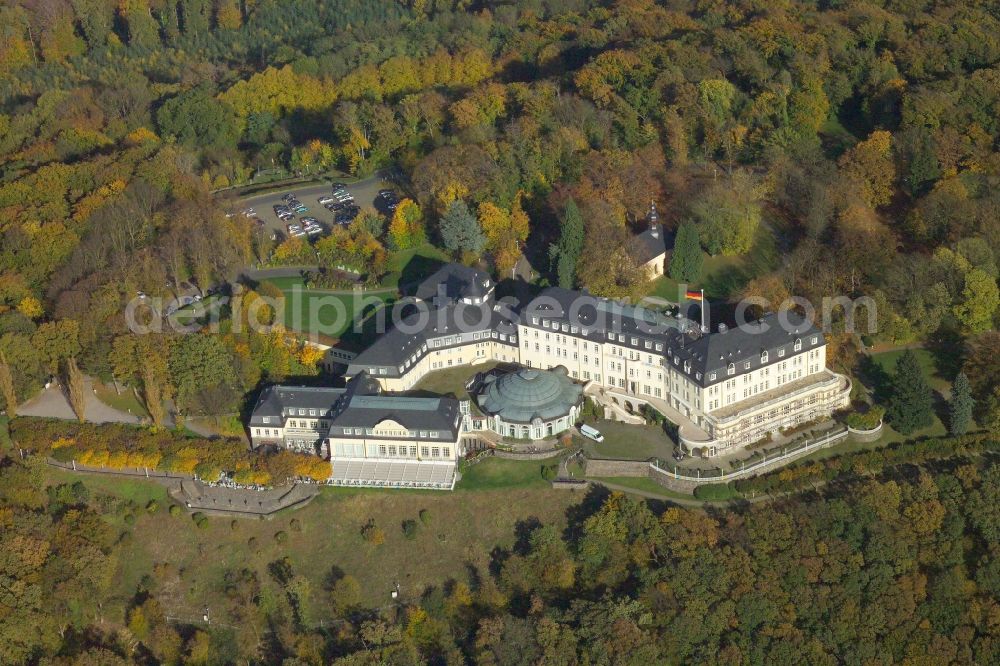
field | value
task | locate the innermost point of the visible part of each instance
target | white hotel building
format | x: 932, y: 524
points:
x: 724, y: 390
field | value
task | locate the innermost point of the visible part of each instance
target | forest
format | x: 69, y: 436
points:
x: 839, y: 148
x: 881, y: 561
x: 834, y: 147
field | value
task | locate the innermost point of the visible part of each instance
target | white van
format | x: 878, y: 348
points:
x: 592, y: 433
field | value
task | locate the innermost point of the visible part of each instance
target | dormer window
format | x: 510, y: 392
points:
x: 815, y: 339
x: 798, y: 344
x: 711, y: 376
x: 746, y: 365
x: 763, y: 357
x: 781, y: 352
x: 731, y: 369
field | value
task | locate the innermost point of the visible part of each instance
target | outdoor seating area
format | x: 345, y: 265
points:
x: 393, y: 474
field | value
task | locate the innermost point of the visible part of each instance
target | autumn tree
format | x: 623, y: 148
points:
x: 505, y: 231
x: 869, y: 168
x: 7, y: 390
x: 406, y: 230
x: 76, y: 389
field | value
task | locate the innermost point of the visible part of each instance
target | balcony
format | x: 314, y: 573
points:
x: 794, y: 390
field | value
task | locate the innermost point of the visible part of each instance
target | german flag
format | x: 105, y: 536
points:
x: 693, y: 295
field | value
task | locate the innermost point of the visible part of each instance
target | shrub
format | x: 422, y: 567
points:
x: 252, y: 543
x: 410, y: 529
x: 233, y: 524
x: 372, y: 534
x: 130, y: 519
x: 175, y: 510
x: 425, y: 516
x: 867, y: 420
x: 281, y: 537
x: 200, y: 519
x: 549, y: 472
x: 295, y: 525
x: 714, y: 491
x: 152, y: 506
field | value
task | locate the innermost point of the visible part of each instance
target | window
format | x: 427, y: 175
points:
x: 435, y: 452
x: 731, y: 369
x: 763, y: 357
x: 746, y: 366
x: 798, y: 344
x: 424, y: 451
x: 446, y: 452
x: 381, y: 449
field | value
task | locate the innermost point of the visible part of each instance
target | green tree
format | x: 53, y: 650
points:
x: 979, y: 301
x: 960, y: 406
x: 728, y: 214
x: 910, y: 403
x: 7, y: 391
x: 199, y: 363
x: 460, y: 230
x: 686, y: 259
x: 197, y: 118
x: 570, y: 245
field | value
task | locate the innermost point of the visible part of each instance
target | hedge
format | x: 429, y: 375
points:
x: 869, y: 462
x: 118, y: 446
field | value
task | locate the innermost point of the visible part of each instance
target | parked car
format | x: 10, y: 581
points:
x: 343, y: 218
x: 339, y: 186
x: 313, y: 229
x: 592, y: 433
x: 295, y: 231
x: 325, y: 199
x: 287, y: 197
x: 387, y: 194
x: 300, y: 208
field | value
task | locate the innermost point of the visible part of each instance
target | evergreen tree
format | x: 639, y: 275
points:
x: 686, y: 259
x: 910, y: 403
x: 460, y: 230
x: 960, y: 406
x: 570, y: 245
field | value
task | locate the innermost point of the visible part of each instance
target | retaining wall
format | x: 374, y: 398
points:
x: 607, y: 468
x: 537, y: 455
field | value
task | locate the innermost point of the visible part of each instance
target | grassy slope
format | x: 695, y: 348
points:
x: 465, y: 526
x: 629, y: 441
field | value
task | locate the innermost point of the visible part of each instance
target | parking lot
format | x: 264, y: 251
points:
x: 365, y: 194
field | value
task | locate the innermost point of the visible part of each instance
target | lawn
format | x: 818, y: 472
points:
x: 722, y: 276
x: 642, y: 484
x: 322, y: 540
x: 409, y: 267
x: 498, y: 473
x: 328, y: 313
x: 451, y: 381
x: 632, y: 442
x: 886, y: 362
x: 125, y: 401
